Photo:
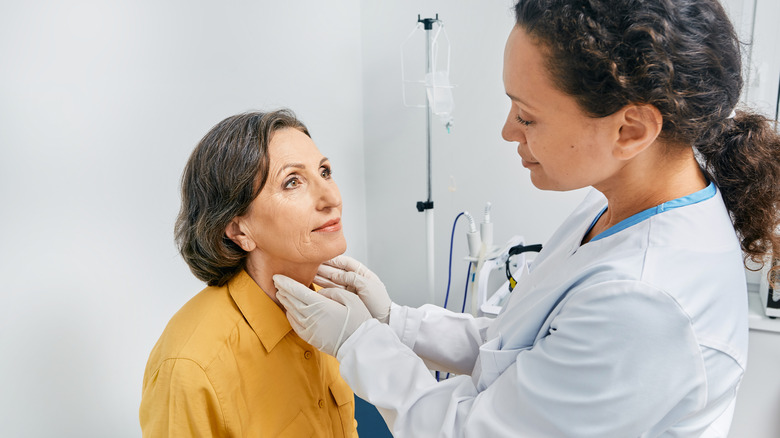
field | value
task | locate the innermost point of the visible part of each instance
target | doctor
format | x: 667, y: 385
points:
x: 633, y: 319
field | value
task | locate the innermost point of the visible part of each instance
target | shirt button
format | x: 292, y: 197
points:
x: 321, y: 403
x: 307, y: 354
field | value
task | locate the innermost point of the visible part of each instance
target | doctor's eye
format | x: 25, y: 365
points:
x: 326, y: 172
x: 523, y: 121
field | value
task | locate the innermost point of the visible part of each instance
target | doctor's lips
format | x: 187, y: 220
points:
x: 330, y: 226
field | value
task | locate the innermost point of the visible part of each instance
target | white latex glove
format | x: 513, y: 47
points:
x: 348, y: 273
x: 324, y: 319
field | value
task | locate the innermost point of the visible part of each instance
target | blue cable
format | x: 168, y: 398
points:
x: 462, y: 310
x: 466, y: 291
x: 449, y: 274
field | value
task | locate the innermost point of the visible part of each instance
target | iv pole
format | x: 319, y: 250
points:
x: 427, y: 206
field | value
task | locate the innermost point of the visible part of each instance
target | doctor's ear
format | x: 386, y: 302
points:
x: 639, y: 126
x: 235, y: 232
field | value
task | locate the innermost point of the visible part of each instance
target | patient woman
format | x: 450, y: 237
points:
x: 257, y: 200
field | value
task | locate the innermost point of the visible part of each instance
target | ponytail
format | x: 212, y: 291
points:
x: 742, y: 157
x: 683, y: 57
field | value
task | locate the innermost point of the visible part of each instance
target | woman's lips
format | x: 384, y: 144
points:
x: 527, y: 163
x: 330, y: 226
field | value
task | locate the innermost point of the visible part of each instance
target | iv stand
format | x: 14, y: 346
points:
x: 427, y: 206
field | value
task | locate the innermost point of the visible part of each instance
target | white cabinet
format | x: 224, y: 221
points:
x: 758, y: 400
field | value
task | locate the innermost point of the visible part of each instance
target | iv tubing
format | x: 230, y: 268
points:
x: 466, y: 291
x: 449, y: 268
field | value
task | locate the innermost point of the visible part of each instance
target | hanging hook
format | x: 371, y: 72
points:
x: 427, y: 22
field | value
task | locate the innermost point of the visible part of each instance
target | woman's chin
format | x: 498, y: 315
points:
x: 333, y: 249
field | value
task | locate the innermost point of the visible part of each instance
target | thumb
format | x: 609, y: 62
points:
x: 324, y: 282
x: 341, y: 296
x: 288, y: 286
x: 347, y: 263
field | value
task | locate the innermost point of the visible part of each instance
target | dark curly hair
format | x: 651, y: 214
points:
x: 683, y: 57
x: 224, y: 174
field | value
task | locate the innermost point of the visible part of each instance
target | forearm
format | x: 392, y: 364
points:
x: 445, y: 340
x: 389, y: 375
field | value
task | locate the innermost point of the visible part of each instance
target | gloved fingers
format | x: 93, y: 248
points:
x: 292, y: 305
x: 307, y: 334
x: 352, y: 265
x: 348, y: 280
x: 296, y: 325
x: 292, y: 288
x: 347, y: 263
x: 356, y: 310
x: 340, y: 278
x: 324, y: 282
x: 343, y: 262
x: 342, y: 297
x: 347, y: 271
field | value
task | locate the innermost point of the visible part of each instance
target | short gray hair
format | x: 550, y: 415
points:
x: 224, y: 174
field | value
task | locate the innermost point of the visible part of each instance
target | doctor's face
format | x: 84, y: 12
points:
x: 297, y: 215
x: 563, y: 148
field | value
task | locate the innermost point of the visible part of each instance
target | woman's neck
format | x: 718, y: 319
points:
x: 262, y: 270
x: 644, y: 184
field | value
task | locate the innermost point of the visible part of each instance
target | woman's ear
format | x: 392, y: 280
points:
x: 640, y: 125
x: 235, y: 232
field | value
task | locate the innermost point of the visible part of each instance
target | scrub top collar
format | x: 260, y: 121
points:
x: 694, y: 198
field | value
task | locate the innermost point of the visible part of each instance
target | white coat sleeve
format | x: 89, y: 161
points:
x: 619, y: 359
x: 445, y: 340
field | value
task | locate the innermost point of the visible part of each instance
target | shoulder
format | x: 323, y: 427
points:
x: 198, y: 329
x: 706, y: 225
x: 627, y: 305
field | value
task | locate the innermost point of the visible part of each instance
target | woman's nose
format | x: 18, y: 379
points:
x: 328, y: 194
x: 512, y: 131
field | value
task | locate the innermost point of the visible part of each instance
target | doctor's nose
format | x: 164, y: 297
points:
x: 512, y: 130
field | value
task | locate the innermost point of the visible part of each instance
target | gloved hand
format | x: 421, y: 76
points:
x: 324, y: 319
x: 348, y: 273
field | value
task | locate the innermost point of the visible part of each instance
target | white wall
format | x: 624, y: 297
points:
x: 100, y: 105
x: 483, y: 166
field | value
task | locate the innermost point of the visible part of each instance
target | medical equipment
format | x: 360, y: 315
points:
x: 515, y: 250
x: 432, y: 91
x: 473, y: 236
x: 484, y: 258
x: 486, y: 227
x: 769, y: 289
x: 436, y: 93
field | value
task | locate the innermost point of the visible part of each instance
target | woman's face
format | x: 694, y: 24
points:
x: 562, y: 147
x: 297, y: 216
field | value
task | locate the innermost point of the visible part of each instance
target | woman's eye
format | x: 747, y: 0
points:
x: 326, y: 172
x: 292, y: 183
x: 523, y: 121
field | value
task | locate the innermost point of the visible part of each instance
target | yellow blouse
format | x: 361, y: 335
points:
x: 229, y: 364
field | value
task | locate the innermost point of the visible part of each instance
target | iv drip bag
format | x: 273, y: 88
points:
x: 425, y: 71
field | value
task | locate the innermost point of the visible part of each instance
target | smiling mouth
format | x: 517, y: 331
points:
x: 330, y: 226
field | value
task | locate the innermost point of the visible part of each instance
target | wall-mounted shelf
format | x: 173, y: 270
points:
x: 757, y: 319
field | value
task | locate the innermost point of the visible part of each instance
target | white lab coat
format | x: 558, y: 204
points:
x: 640, y: 332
